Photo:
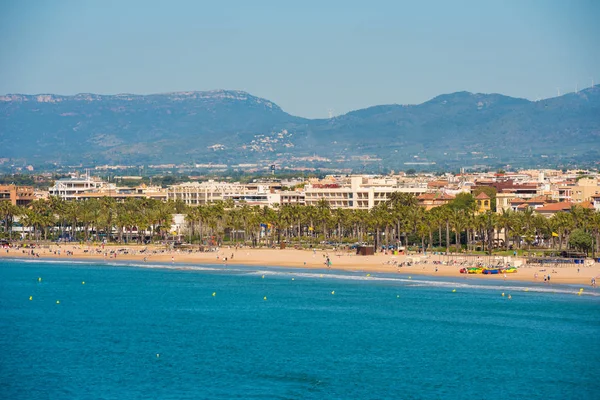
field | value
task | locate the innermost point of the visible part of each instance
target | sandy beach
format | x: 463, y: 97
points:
x: 431, y: 265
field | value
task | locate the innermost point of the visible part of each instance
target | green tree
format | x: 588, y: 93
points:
x: 581, y: 240
x: 464, y: 201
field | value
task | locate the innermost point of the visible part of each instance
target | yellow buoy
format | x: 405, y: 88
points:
x: 333, y: 292
x: 321, y: 276
x: 157, y: 355
x: 368, y: 274
x: 30, y: 297
x: 214, y: 294
x: 578, y: 293
x: 263, y: 277
x: 581, y: 290
x: 264, y: 298
x: 502, y: 294
x: 292, y: 278
x: 410, y: 277
x: 397, y: 296
x: 453, y: 290
x: 83, y: 283
x: 39, y: 279
x: 57, y: 301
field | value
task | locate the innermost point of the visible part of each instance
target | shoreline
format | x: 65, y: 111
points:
x: 306, y: 259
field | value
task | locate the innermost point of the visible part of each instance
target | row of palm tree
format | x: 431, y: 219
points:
x: 95, y: 217
x: 400, y: 221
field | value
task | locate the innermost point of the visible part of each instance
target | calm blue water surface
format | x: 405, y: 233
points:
x: 377, y: 337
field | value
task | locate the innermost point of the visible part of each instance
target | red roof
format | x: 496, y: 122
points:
x: 555, y: 207
x: 438, y: 184
x: 482, y: 196
x: 435, y: 196
x: 586, y: 204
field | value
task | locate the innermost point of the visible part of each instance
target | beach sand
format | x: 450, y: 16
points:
x: 312, y: 259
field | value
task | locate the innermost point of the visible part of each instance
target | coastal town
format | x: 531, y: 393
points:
x: 416, y: 223
x: 543, y: 210
x: 545, y: 191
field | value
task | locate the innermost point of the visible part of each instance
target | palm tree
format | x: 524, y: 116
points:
x: 489, y: 221
x: 458, y: 222
x: 595, y: 228
x: 7, y: 214
x: 505, y: 220
x: 59, y: 209
x: 379, y: 216
x: 44, y: 217
x: 562, y: 223
x: 323, y: 214
x: 107, y: 215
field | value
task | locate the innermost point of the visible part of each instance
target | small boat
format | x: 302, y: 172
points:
x: 474, y: 270
x: 509, y: 270
x: 491, y: 271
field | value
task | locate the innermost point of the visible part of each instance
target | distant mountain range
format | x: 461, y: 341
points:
x: 234, y: 127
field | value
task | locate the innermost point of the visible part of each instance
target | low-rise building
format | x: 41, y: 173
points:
x: 121, y: 194
x: 550, y: 209
x: 432, y: 200
x: 484, y: 203
x: 17, y: 195
x: 578, y: 190
x: 596, y: 202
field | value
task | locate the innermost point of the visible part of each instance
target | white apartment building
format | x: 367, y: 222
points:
x: 358, y: 192
x: 70, y: 188
x: 200, y: 193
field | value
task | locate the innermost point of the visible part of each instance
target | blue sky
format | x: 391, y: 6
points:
x: 309, y: 57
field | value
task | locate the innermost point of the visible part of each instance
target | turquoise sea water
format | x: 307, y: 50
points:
x: 378, y: 337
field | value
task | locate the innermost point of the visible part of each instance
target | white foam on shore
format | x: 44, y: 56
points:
x: 561, y: 289
x: 350, y: 276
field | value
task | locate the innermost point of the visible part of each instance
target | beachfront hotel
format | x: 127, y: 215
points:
x: 201, y: 193
x: 357, y: 192
x: 69, y: 188
x: 86, y: 187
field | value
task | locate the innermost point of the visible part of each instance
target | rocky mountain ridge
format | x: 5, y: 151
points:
x: 232, y: 127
